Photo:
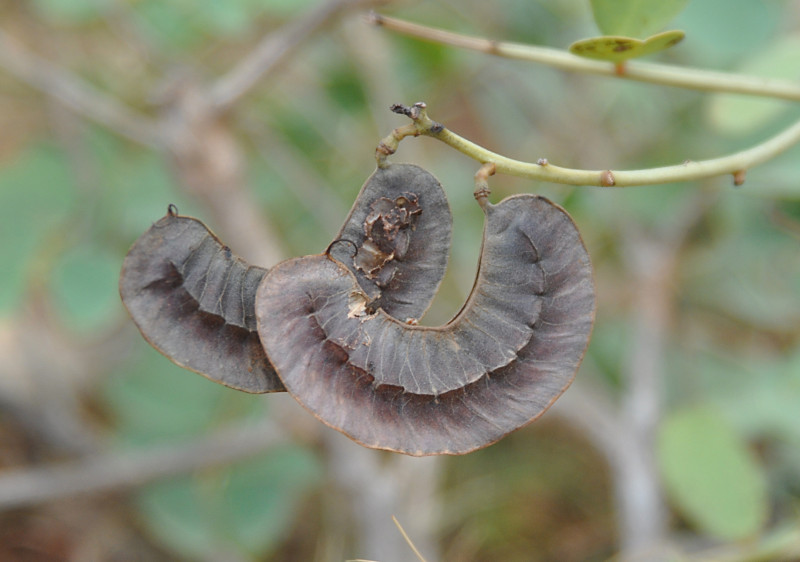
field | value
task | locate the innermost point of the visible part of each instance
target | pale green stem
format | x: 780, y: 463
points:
x: 736, y: 163
x: 668, y: 75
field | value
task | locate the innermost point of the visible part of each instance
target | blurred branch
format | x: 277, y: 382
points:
x: 313, y: 191
x: 652, y: 260
x: 110, y: 471
x: 380, y: 486
x: 642, y: 511
x: 274, y: 49
x: 666, y: 75
x: 735, y: 164
x: 589, y: 409
x: 75, y: 93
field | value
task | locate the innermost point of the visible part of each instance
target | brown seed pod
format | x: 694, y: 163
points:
x: 504, y: 358
x: 193, y: 299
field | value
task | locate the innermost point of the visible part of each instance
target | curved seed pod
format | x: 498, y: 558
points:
x: 401, y: 224
x: 510, y: 352
x: 194, y: 300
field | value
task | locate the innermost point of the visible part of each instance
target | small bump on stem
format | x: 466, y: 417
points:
x: 607, y: 179
x: 482, y: 190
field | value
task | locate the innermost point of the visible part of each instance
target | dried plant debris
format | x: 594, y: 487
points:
x: 402, y: 234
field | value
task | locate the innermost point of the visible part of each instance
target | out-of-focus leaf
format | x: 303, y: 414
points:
x: 762, y: 398
x: 285, y: 8
x: 725, y: 31
x: 710, y: 474
x: 225, y: 18
x: 244, y: 509
x: 345, y: 88
x: 750, y: 272
x: 261, y: 496
x: 71, y: 12
x: 616, y: 48
x: 634, y: 18
x: 184, y: 25
x: 168, y: 23
x: 36, y: 194
x: 734, y: 114
x: 84, y: 287
x: 154, y: 400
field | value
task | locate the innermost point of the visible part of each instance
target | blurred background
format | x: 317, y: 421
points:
x: 679, y: 440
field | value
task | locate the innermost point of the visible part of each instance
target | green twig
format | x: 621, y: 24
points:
x: 667, y: 75
x: 735, y: 164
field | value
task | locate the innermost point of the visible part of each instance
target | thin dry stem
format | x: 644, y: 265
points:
x: 408, y: 540
x: 76, y: 94
x: 662, y: 74
x: 274, y: 49
x: 110, y: 471
x: 733, y: 164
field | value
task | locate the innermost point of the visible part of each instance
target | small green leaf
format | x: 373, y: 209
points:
x: 711, y: 475
x: 634, y: 18
x: 619, y: 49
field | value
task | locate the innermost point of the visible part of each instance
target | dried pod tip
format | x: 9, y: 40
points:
x: 412, y: 112
x: 355, y: 246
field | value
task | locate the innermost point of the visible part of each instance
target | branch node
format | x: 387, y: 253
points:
x: 413, y: 112
x: 374, y: 18
x: 542, y: 162
x: 607, y: 179
x: 383, y: 149
x: 482, y: 190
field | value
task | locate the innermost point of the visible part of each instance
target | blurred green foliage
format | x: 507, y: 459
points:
x: 731, y: 462
x: 635, y: 18
x: 245, y: 509
x: 711, y: 474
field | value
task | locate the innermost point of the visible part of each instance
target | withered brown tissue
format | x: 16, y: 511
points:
x: 498, y: 365
x: 194, y: 300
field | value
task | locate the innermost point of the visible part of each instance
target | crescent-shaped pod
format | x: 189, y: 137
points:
x: 194, y: 300
x: 497, y: 365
